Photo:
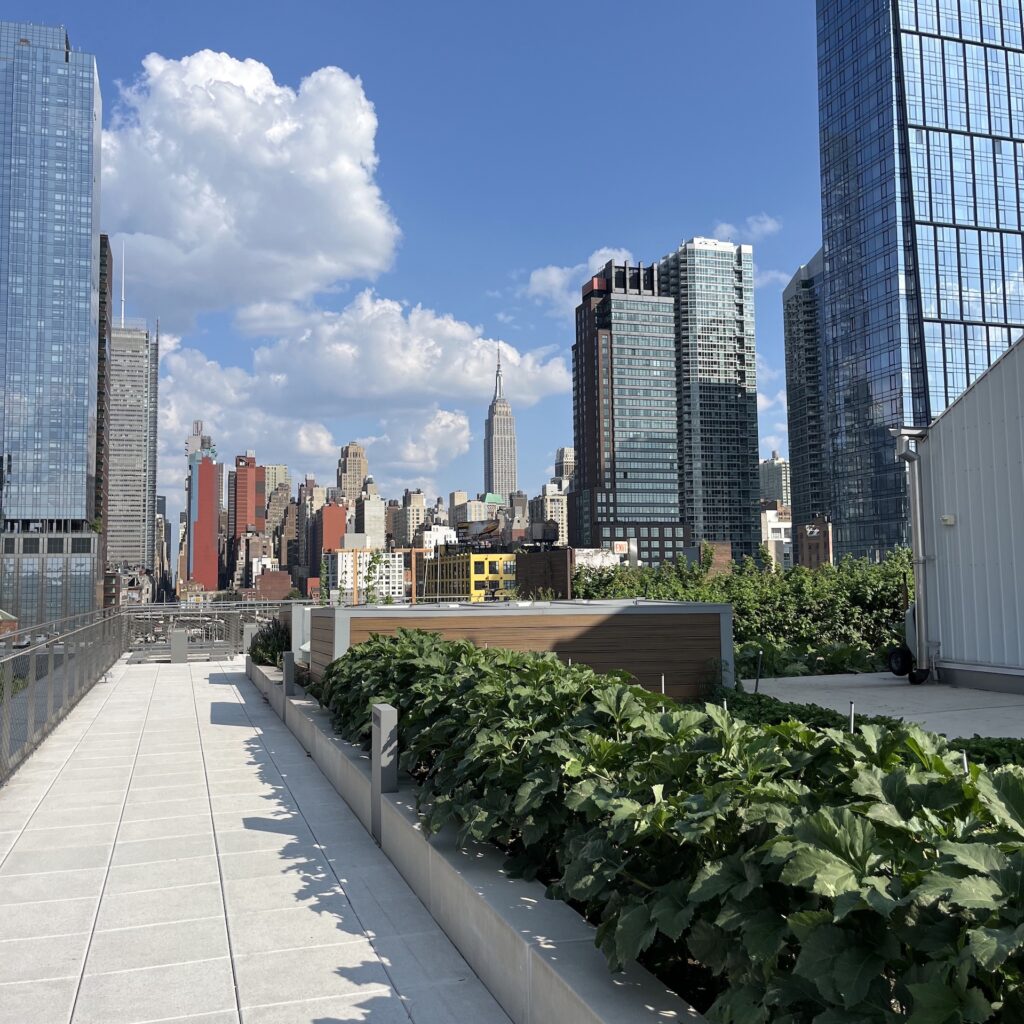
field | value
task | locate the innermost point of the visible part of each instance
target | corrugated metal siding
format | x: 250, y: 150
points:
x: 973, y: 469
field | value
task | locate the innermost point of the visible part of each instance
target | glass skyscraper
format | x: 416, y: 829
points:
x: 922, y: 161
x: 50, y: 122
x: 713, y: 285
x: 810, y: 483
x: 624, y: 416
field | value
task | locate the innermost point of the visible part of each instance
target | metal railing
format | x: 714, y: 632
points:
x: 46, y: 669
x: 41, y: 683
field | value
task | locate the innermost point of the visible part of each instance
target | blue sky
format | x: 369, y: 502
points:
x: 510, y: 143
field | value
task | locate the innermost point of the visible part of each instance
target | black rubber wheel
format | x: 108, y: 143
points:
x: 918, y: 676
x: 901, y: 661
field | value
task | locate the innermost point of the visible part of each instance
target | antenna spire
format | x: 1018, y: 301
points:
x: 498, y: 393
x: 122, y: 282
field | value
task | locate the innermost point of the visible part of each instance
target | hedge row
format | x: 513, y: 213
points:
x: 777, y: 873
x: 761, y: 709
x: 836, y: 618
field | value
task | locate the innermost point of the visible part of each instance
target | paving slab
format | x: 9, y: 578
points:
x: 171, y: 854
x: 951, y: 710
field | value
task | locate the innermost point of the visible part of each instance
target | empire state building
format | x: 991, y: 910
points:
x: 500, y: 443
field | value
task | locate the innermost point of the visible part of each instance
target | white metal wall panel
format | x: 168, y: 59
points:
x: 973, y: 469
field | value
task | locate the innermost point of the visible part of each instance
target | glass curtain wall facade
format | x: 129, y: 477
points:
x: 922, y: 156
x: 50, y: 119
x: 810, y: 484
x: 624, y: 416
x: 712, y: 283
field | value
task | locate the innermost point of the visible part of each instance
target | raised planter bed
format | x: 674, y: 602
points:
x: 536, y: 956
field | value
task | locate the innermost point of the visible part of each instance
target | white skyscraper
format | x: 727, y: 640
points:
x: 500, y: 443
x: 131, y: 494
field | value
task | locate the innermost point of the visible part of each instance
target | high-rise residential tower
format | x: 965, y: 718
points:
x: 353, y: 469
x: 624, y: 415
x: 500, y: 442
x: 803, y: 320
x: 202, y: 562
x: 276, y: 475
x: 106, y: 307
x: 712, y: 283
x: 774, y: 480
x: 565, y: 465
x: 131, y: 502
x: 922, y: 151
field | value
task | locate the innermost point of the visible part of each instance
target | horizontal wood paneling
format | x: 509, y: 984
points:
x: 685, y: 647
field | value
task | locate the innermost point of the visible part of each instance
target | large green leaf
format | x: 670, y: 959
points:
x: 982, y: 857
x: 635, y: 932
x: 934, y: 1003
x: 855, y: 969
x: 967, y: 892
x: 1003, y: 795
x: 991, y: 946
x: 820, y: 871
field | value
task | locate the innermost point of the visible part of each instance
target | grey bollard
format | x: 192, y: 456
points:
x: 249, y: 630
x: 179, y: 647
x: 248, y: 667
x: 383, y: 761
x: 288, y: 667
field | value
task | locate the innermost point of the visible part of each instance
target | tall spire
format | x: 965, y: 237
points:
x: 498, y: 393
x: 122, y: 282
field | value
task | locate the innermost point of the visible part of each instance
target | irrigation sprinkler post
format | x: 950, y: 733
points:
x: 663, y: 684
x: 967, y: 770
x: 757, y: 677
x: 851, y: 718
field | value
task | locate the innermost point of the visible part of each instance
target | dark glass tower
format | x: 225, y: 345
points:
x: 810, y: 483
x: 624, y: 416
x: 49, y: 321
x: 921, y: 108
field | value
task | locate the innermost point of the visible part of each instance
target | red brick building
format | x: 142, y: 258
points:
x: 328, y: 534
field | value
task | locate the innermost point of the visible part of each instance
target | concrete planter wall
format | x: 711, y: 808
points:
x: 536, y: 956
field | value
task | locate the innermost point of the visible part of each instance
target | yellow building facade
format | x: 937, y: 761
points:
x: 469, y: 576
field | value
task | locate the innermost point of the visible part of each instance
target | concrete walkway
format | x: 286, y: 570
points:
x: 170, y: 854
x: 953, y: 711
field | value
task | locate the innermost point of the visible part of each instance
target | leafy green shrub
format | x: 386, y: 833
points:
x: 270, y: 643
x: 762, y: 709
x: 846, y: 615
x: 771, y: 873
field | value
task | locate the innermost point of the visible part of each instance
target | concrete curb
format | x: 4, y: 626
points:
x: 536, y: 956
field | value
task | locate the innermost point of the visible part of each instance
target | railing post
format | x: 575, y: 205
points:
x: 249, y: 630
x: 383, y: 761
x: 6, y: 693
x: 49, y: 685
x: 30, y: 697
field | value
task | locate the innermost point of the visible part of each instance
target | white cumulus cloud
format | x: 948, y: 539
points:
x: 756, y: 227
x: 776, y: 401
x: 557, y: 288
x: 375, y: 352
x: 228, y: 187
x: 770, y: 278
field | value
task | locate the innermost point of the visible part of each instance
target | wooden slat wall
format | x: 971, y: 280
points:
x: 321, y: 641
x: 686, y: 648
